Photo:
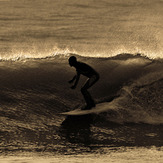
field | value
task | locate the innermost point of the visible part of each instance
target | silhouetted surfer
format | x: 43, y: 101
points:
x: 93, y: 77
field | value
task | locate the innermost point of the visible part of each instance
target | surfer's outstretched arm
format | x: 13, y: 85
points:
x: 76, y: 82
x: 71, y: 81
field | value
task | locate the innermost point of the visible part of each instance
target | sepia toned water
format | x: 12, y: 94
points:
x: 122, y: 40
x: 41, y: 28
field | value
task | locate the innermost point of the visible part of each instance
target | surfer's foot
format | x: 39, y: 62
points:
x: 88, y: 107
x: 93, y: 105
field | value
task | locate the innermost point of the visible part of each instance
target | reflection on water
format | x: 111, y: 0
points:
x: 74, y: 141
x: 76, y: 129
x: 81, y: 135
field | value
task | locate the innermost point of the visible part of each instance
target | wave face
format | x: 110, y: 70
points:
x: 30, y: 86
x: 34, y: 91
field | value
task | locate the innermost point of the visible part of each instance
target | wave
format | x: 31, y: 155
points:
x: 33, y: 87
x: 51, y: 51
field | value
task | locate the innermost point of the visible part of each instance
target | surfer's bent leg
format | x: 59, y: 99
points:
x: 89, y: 101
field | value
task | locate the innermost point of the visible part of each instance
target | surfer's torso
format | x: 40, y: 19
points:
x: 85, y: 69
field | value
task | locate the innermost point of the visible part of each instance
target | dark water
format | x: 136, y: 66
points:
x: 34, y: 92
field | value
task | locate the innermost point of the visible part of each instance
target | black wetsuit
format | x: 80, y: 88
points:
x: 93, y: 77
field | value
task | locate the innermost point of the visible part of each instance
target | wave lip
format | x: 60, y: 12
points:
x: 59, y: 53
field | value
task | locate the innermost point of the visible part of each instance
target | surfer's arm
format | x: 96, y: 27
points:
x: 71, y: 81
x: 77, y: 79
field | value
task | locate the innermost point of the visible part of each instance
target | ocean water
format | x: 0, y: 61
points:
x: 41, y: 28
x: 122, y: 40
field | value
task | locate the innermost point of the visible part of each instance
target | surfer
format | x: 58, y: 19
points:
x: 90, y: 73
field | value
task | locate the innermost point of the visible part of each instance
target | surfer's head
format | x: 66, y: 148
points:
x: 72, y: 60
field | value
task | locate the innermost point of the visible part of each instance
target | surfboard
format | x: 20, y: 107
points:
x: 102, y: 107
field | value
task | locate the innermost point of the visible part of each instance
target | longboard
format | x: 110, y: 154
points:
x: 102, y: 107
